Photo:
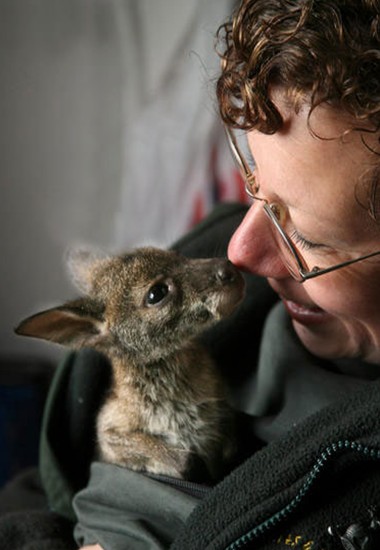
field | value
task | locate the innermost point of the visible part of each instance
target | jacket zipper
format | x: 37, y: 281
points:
x: 284, y: 513
x: 196, y: 490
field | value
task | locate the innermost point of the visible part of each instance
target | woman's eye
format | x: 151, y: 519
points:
x: 303, y: 243
x: 157, y: 293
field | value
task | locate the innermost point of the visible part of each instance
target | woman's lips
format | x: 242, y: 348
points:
x: 306, y: 315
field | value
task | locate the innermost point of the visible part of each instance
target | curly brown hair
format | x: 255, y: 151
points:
x: 325, y: 50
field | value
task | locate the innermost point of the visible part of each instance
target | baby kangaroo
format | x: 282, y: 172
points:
x: 166, y: 411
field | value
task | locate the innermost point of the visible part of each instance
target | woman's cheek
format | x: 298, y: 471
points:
x: 346, y: 293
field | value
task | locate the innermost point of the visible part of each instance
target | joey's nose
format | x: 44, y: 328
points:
x: 226, y: 273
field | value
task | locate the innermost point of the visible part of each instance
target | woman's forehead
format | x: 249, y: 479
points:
x: 318, y: 148
x: 313, y: 165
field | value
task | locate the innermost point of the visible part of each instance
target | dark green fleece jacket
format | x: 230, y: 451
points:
x: 308, y: 471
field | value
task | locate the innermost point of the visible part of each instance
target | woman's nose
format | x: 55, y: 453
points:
x: 253, y: 248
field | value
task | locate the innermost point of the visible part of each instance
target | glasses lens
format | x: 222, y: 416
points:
x: 240, y: 150
x: 292, y: 259
x: 243, y: 147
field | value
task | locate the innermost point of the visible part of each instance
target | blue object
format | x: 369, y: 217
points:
x: 22, y: 395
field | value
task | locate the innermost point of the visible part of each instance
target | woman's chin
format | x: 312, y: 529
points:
x: 330, y: 340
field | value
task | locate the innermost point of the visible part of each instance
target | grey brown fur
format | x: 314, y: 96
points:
x: 143, y: 310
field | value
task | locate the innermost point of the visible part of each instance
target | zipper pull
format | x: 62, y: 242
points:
x: 363, y: 535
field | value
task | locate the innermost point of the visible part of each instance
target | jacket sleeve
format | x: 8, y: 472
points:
x: 122, y: 509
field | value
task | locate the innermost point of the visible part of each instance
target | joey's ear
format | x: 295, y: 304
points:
x: 81, y: 263
x: 76, y: 324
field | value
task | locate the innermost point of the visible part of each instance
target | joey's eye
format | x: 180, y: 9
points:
x: 157, y: 293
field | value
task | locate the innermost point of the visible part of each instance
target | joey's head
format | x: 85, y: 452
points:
x: 145, y: 303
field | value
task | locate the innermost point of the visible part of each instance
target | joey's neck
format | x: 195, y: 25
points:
x: 138, y: 372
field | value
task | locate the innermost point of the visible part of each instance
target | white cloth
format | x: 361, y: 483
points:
x: 174, y: 145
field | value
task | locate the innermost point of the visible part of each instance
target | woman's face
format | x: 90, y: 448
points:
x: 323, y: 183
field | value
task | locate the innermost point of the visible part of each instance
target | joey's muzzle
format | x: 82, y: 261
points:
x: 223, y: 285
x: 227, y: 273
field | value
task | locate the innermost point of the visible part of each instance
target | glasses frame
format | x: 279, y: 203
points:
x: 251, y: 188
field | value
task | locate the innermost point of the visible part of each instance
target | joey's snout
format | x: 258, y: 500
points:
x: 221, y: 286
x: 226, y: 273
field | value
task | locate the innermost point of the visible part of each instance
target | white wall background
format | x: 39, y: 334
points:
x: 105, y: 109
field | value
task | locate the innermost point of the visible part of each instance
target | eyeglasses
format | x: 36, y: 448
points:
x: 294, y: 260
